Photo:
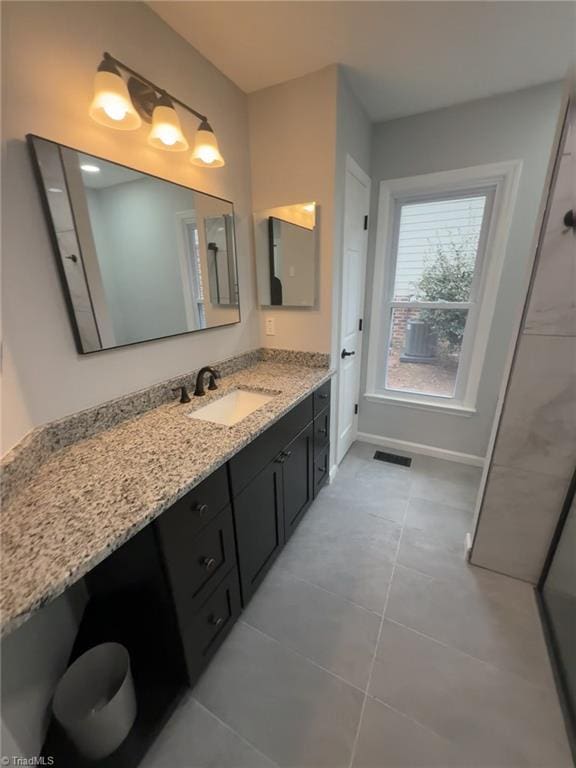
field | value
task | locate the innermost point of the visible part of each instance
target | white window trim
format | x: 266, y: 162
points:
x: 505, y: 178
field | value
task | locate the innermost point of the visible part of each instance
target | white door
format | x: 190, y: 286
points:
x: 356, y: 206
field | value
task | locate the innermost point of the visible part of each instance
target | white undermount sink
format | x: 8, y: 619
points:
x: 232, y: 408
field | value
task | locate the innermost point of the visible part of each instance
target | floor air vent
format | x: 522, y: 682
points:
x: 393, y: 458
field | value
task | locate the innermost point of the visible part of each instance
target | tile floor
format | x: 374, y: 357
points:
x: 373, y: 644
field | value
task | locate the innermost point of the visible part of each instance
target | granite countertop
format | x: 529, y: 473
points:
x: 92, y: 496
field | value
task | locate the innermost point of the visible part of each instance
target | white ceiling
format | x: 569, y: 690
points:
x: 401, y: 58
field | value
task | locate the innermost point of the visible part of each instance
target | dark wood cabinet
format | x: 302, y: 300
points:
x: 297, y: 479
x: 256, y: 455
x: 258, y: 515
x: 196, y: 564
x: 204, y: 630
x: 321, y: 398
x: 321, y: 430
x: 321, y: 469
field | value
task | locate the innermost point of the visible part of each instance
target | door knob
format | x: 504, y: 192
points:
x: 346, y: 354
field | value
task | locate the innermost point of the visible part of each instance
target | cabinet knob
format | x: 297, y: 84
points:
x: 287, y: 454
x: 209, y: 563
x: 216, y: 621
x: 280, y: 459
x: 323, y: 431
x: 200, y: 509
x: 323, y: 396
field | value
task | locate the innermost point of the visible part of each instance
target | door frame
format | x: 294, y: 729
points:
x: 351, y: 168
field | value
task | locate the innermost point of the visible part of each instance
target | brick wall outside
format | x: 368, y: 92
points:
x: 399, y: 321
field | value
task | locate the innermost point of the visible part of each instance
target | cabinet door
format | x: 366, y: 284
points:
x: 196, y: 563
x: 298, y: 479
x: 204, y: 631
x: 259, y: 527
x: 321, y: 469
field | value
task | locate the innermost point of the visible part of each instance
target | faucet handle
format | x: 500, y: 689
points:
x: 184, y: 396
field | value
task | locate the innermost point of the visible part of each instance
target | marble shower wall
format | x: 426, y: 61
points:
x: 535, y: 452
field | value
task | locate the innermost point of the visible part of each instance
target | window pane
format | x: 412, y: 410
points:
x: 437, y: 248
x: 424, y: 350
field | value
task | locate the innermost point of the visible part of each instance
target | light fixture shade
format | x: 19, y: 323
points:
x: 166, y: 131
x: 111, y: 105
x: 206, y: 152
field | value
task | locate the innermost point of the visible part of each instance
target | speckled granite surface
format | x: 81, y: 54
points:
x: 22, y: 461
x: 89, y: 497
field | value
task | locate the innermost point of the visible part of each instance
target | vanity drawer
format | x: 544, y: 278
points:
x: 200, y: 505
x: 322, y: 398
x: 196, y: 563
x: 321, y: 431
x: 205, y: 630
x: 252, y: 459
x: 321, y: 469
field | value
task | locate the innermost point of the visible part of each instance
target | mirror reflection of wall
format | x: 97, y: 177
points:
x: 134, y: 250
x: 287, y: 255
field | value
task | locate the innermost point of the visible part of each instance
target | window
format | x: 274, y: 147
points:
x: 441, y: 240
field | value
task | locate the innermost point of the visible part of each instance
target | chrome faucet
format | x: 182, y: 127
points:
x: 214, y: 374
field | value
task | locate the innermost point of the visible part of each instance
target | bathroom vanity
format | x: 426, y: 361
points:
x: 171, y: 590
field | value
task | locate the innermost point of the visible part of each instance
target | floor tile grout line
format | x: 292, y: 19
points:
x: 234, y: 731
x: 375, y: 654
x: 302, y: 656
x: 416, y: 722
x: 495, y: 667
x: 323, y: 589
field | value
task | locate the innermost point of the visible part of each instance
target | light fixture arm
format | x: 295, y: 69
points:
x: 160, y: 91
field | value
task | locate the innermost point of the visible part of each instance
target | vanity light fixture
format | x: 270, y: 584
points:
x: 166, y: 132
x: 122, y: 105
x: 111, y: 104
x: 206, y: 151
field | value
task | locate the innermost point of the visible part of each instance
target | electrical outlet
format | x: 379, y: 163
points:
x: 270, y: 326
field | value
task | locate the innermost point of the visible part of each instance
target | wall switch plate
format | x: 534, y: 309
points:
x: 270, y: 326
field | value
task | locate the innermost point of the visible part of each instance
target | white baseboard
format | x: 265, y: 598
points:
x: 333, y: 471
x: 421, y: 448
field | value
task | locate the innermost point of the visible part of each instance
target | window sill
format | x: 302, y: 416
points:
x: 454, y: 409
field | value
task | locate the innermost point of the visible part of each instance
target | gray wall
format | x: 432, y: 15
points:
x: 521, y: 126
x: 535, y: 450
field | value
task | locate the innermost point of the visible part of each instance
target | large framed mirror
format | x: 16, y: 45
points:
x: 140, y: 258
x: 287, y: 255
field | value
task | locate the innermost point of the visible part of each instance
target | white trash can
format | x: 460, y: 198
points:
x: 95, y: 701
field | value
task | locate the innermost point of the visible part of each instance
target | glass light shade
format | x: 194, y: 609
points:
x: 166, y: 132
x: 206, y: 152
x: 111, y: 105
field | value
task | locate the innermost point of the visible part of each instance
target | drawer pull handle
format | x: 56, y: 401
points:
x: 323, y: 396
x: 216, y: 621
x: 200, y: 509
x: 323, y: 431
x: 209, y: 563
